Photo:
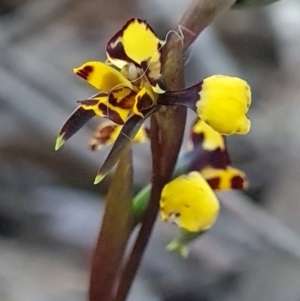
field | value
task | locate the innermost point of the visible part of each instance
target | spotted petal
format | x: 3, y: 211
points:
x: 128, y: 132
x: 208, y: 148
x: 102, y: 107
x: 224, y: 179
x: 143, y: 101
x: 107, y: 132
x: 102, y: 76
x: 202, y: 133
x: 123, y: 98
x: 209, y: 156
x: 189, y: 202
x: 224, y: 102
x: 137, y: 43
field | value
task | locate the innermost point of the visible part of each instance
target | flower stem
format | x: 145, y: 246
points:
x: 167, y: 128
x: 166, y: 137
x: 199, y: 15
x: 116, y: 228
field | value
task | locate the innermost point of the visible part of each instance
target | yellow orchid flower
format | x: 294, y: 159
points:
x: 189, y: 200
x: 221, y: 101
x: 107, y: 132
x: 128, y: 82
x: 210, y: 157
x: 131, y: 88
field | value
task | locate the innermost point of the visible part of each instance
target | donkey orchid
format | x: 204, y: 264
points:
x: 131, y: 88
x: 190, y: 200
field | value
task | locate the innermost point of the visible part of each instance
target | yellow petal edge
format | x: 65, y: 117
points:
x: 223, y: 104
x: 189, y: 202
x: 102, y: 76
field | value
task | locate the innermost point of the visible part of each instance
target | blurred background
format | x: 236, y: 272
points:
x: 50, y: 211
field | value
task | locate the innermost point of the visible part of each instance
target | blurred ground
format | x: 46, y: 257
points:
x: 50, y: 210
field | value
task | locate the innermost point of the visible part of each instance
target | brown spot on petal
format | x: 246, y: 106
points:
x: 153, y: 73
x: 197, y: 138
x: 115, y: 48
x: 110, y: 114
x: 214, y: 183
x: 85, y: 72
x: 125, y: 103
x: 237, y: 182
x: 105, y: 133
x: 117, y: 52
x: 144, y: 102
x: 101, y: 135
x: 201, y: 158
x: 89, y: 102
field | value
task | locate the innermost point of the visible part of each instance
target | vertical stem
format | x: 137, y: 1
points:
x: 167, y: 128
x: 132, y: 264
x: 199, y: 15
x: 115, y: 231
x: 166, y: 137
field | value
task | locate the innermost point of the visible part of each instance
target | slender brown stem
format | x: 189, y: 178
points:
x: 148, y: 220
x: 166, y: 137
x: 199, y: 15
x: 115, y: 231
x: 167, y: 128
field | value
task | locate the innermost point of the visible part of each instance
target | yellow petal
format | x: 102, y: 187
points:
x: 223, y: 103
x: 211, y: 139
x: 140, y: 42
x: 102, y: 76
x: 224, y: 179
x: 103, y: 108
x: 95, y: 104
x: 137, y: 43
x: 123, y: 98
x: 189, y: 202
x: 153, y: 72
x: 143, y: 100
x: 107, y: 132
